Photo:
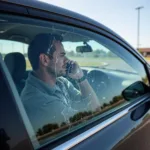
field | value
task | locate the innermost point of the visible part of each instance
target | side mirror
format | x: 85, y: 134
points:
x: 135, y: 90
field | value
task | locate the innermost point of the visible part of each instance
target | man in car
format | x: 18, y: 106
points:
x: 48, y: 97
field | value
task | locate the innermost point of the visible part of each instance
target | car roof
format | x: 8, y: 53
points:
x: 43, y: 6
x: 61, y: 11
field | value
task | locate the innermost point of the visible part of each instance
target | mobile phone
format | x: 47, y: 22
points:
x: 69, y: 67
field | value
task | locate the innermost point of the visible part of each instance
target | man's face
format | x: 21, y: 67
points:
x: 57, y: 65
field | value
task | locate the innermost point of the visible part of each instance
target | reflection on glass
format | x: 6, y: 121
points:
x: 51, y: 130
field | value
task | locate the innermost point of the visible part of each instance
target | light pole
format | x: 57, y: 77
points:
x: 138, y: 27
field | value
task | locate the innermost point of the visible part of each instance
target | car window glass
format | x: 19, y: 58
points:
x: 74, y: 101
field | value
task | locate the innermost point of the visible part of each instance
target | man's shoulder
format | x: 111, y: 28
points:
x: 32, y: 87
x: 30, y: 92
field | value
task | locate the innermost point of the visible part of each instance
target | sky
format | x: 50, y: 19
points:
x: 119, y: 15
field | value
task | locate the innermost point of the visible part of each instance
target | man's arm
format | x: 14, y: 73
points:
x: 86, y: 90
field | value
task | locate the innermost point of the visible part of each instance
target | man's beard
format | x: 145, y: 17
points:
x: 53, y: 71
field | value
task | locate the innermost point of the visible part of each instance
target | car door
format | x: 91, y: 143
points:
x: 111, y: 67
x: 13, y: 134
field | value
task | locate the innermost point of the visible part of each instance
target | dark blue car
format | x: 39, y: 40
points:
x: 118, y: 74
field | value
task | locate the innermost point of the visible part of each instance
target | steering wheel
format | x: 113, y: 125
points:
x: 99, y: 82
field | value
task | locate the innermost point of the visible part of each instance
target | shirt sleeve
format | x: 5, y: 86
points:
x: 74, y: 94
x: 78, y: 102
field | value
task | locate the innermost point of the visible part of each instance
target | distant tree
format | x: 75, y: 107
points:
x: 105, y: 105
x: 96, y: 55
x: 39, y: 132
x: 70, y: 53
x: 97, y: 51
x: 110, y: 54
x: 79, y: 55
x: 79, y: 116
x: 116, y: 99
x: 111, y: 102
x: 63, y: 124
x: 47, y: 128
x: 55, y: 126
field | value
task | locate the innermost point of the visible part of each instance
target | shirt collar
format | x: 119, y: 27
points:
x: 42, y: 86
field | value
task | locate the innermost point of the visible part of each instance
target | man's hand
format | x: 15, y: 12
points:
x: 87, y: 91
x: 76, y: 71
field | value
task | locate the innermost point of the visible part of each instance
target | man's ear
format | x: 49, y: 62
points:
x: 44, y: 59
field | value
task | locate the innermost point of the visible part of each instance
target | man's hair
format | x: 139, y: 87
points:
x: 42, y: 43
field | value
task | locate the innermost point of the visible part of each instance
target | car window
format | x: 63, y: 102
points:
x: 56, y: 110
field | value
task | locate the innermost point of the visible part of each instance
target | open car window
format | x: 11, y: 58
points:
x: 55, y: 113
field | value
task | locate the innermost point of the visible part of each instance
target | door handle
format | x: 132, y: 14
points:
x: 140, y: 111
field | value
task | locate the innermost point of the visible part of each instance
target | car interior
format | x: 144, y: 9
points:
x: 100, y: 78
x: 24, y: 32
x: 16, y: 61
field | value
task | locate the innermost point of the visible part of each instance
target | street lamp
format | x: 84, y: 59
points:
x: 138, y: 27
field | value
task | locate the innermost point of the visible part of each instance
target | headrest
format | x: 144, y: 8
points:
x: 16, y: 65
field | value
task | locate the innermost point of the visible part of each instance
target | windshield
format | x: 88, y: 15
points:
x: 100, y: 57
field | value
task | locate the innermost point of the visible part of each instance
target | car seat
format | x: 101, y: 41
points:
x: 16, y: 65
